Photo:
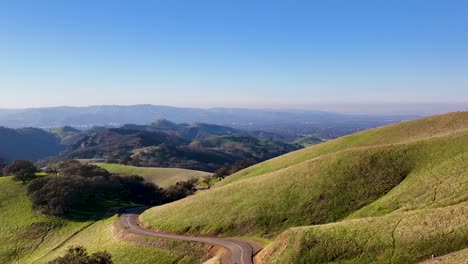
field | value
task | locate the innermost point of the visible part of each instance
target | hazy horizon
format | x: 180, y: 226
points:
x: 422, y: 109
x: 244, y: 54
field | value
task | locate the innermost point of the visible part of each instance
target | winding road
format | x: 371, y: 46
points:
x: 241, y: 252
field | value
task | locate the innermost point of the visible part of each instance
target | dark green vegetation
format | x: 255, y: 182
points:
x: 83, y: 187
x: 23, y: 170
x: 28, y: 237
x: 78, y: 255
x: 225, y: 171
x: 395, y: 194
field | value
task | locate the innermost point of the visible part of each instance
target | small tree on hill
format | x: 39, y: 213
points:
x: 78, y: 255
x: 181, y: 190
x: 222, y: 172
x: 23, y: 170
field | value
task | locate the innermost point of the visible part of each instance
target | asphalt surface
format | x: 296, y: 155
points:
x: 240, y: 252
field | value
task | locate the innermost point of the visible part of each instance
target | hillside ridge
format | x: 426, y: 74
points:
x: 382, y: 173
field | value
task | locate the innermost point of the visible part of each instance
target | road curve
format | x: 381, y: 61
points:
x: 241, y: 252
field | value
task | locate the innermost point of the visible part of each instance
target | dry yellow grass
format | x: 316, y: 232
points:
x: 163, y: 177
x: 458, y: 257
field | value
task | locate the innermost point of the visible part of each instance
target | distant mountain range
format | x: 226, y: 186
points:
x: 162, y: 143
x: 118, y: 131
x: 86, y: 117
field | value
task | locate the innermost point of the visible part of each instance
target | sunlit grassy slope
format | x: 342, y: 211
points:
x: 393, y: 134
x: 406, y: 237
x: 457, y: 257
x: 163, y: 177
x: 27, y: 237
x: 418, y: 167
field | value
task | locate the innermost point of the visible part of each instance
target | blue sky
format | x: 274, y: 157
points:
x: 280, y: 54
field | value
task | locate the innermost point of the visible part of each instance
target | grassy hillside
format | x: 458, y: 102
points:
x: 429, y: 127
x: 457, y: 257
x: 27, y: 237
x: 328, y: 189
x: 406, y: 237
x: 163, y: 177
x: 418, y: 167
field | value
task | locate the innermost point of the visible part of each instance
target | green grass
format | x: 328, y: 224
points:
x: 352, y: 183
x: 27, y: 237
x: 393, y: 134
x: 403, y: 237
x: 103, y: 236
x: 164, y: 177
x: 418, y: 167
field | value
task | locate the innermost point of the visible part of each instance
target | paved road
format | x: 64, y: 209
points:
x: 241, y: 252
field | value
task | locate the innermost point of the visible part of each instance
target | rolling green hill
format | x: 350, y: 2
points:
x: 406, y: 237
x: 406, y: 184
x: 164, y: 177
x: 27, y: 237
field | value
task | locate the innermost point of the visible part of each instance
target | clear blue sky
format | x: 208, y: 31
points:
x: 232, y: 53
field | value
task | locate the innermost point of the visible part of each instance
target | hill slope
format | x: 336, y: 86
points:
x: 163, y: 177
x: 419, y: 166
x: 419, y: 129
x: 27, y: 143
x: 31, y: 238
x: 153, y: 148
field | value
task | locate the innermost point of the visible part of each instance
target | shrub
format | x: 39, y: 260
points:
x: 23, y: 170
x: 84, y: 170
x: 78, y: 255
x: 225, y: 171
x: 180, y: 190
x: 83, y: 186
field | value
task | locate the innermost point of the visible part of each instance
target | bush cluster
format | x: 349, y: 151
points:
x: 22, y: 170
x: 225, y: 171
x: 78, y: 255
x: 80, y: 186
